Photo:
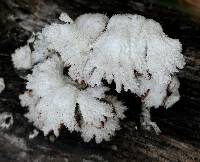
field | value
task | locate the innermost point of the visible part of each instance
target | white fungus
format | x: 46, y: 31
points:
x: 22, y: 58
x: 34, y: 134
x: 65, y: 18
x: 128, y: 49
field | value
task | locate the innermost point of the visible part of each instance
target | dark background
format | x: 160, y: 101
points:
x: 180, y: 125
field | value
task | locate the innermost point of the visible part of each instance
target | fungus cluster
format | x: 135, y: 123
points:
x: 70, y: 59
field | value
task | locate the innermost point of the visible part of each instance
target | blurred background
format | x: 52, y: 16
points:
x: 191, y: 7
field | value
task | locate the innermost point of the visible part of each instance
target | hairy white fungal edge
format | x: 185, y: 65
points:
x: 129, y: 49
x: 53, y: 98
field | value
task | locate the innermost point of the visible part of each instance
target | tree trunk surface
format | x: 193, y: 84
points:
x: 180, y: 125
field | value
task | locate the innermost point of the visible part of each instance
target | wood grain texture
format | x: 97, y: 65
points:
x: 180, y: 125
